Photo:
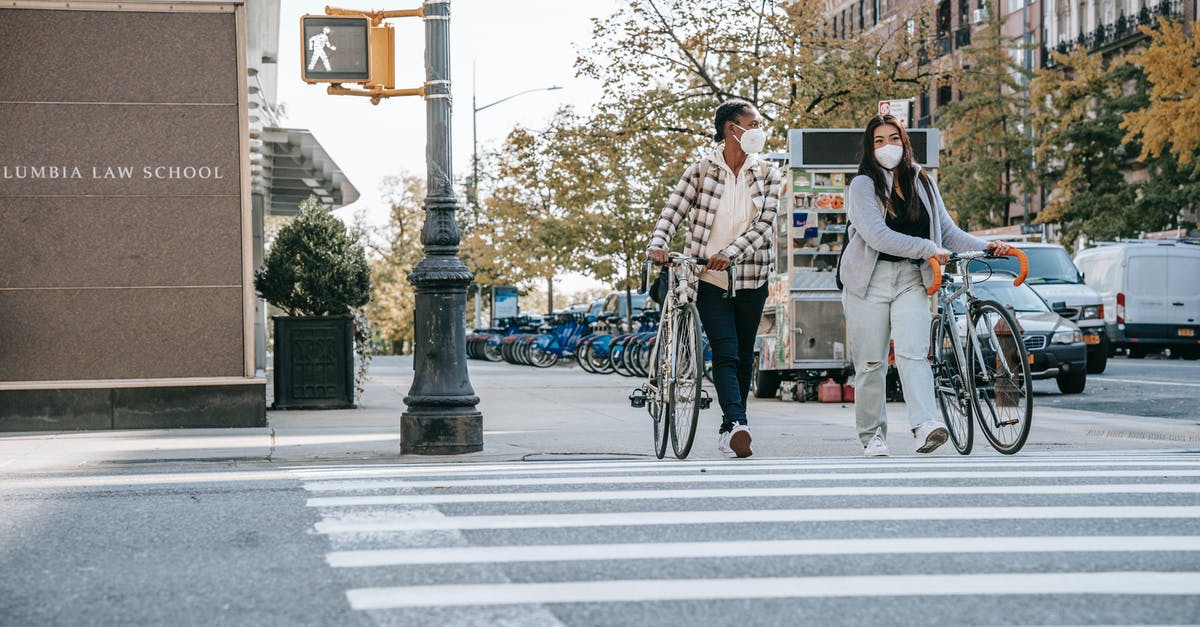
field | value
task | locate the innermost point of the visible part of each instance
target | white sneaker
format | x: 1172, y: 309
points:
x: 735, y: 443
x: 876, y: 447
x: 930, y: 435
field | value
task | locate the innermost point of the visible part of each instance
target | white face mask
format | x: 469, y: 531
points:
x: 889, y: 156
x: 753, y: 140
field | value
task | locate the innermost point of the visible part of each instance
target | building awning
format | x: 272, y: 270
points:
x: 289, y: 165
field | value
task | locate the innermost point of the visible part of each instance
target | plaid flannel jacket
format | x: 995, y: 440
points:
x: 754, y: 250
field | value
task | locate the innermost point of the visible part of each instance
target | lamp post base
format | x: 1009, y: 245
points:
x: 443, y: 433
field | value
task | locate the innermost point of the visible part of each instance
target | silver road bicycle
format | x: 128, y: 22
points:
x: 673, y: 393
x: 980, y: 364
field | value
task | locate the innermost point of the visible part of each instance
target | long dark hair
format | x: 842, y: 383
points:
x: 906, y: 170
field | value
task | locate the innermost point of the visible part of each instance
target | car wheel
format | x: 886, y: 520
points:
x: 763, y: 383
x: 1097, y: 360
x: 1072, y: 382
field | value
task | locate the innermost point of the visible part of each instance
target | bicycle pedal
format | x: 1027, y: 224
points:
x: 705, y: 399
x: 637, y: 398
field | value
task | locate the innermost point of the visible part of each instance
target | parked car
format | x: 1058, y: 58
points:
x: 1054, y: 342
x: 1055, y: 278
x: 1151, y: 294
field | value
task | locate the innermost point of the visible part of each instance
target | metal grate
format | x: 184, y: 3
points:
x: 1034, y: 342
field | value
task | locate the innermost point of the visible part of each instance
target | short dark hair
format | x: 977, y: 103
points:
x: 729, y: 110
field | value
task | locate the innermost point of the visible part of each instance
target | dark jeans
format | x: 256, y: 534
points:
x: 731, y: 324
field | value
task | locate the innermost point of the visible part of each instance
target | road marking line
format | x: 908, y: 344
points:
x: 408, y: 521
x: 1145, y: 382
x: 640, y: 590
x: 1032, y: 458
x: 741, y: 493
x: 383, y: 484
x: 753, y: 548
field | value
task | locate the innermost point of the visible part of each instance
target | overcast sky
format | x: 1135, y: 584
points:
x: 514, y: 45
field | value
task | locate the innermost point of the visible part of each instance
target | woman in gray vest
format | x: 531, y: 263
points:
x: 898, y: 221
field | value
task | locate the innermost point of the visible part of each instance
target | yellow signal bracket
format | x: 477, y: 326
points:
x: 374, y: 92
x: 377, y: 17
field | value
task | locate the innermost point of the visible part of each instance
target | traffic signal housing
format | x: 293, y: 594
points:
x: 336, y: 49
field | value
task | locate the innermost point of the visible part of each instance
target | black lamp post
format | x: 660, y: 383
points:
x: 441, y: 417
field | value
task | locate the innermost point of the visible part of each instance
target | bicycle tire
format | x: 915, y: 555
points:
x: 491, y: 351
x: 1003, y: 392
x: 656, y: 404
x: 540, y: 356
x: 598, y: 360
x: 618, y: 354
x: 581, y: 351
x: 688, y: 372
x: 949, y: 383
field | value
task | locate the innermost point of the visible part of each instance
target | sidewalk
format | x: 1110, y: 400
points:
x: 559, y: 412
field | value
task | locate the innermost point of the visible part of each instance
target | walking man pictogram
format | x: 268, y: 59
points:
x: 317, y: 44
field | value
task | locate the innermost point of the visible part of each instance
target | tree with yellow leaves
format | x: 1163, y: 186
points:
x: 1171, y: 121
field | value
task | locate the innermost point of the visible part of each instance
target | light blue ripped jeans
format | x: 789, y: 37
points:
x: 895, y: 308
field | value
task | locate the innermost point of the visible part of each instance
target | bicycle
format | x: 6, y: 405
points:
x: 980, y: 364
x: 673, y: 394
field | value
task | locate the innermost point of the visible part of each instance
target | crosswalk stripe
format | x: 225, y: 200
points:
x: 756, y: 548
x: 550, y: 468
x: 1104, y: 583
x: 415, y: 521
x: 381, y: 484
x: 742, y: 493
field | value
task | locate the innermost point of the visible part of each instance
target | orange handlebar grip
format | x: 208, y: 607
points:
x: 1024, y: 261
x: 937, y: 277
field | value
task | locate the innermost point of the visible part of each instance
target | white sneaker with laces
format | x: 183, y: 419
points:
x: 723, y: 443
x: 930, y: 435
x: 876, y: 447
x: 735, y: 443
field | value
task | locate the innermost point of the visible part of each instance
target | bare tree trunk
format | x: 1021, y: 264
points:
x: 550, y: 294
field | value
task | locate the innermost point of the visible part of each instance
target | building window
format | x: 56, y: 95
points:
x: 862, y: 20
x: 945, y: 95
x: 874, y: 12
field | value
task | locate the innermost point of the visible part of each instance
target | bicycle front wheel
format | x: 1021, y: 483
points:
x: 950, y: 384
x: 1000, y: 377
x: 660, y: 385
x: 688, y: 371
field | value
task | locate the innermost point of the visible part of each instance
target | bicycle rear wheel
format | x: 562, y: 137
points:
x: 949, y: 384
x: 688, y: 372
x: 1000, y: 377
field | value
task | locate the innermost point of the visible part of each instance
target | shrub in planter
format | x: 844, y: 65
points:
x: 318, y: 274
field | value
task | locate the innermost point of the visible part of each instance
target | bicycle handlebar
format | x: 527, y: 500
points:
x: 674, y: 259
x: 1013, y: 252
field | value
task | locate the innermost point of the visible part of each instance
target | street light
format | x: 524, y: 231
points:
x: 474, y: 132
x: 475, y: 165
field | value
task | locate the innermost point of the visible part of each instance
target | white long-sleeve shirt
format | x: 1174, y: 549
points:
x: 734, y: 213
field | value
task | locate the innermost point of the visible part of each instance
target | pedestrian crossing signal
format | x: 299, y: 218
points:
x: 335, y: 49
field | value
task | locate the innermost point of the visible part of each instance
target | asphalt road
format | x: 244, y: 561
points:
x: 1044, y: 538
x: 1166, y: 388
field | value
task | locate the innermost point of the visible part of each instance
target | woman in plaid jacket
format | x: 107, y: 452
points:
x: 730, y: 198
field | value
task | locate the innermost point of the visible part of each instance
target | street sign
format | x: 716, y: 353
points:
x: 504, y: 302
x: 335, y: 49
x: 901, y: 109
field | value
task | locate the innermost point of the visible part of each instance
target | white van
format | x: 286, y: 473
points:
x: 1151, y: 293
